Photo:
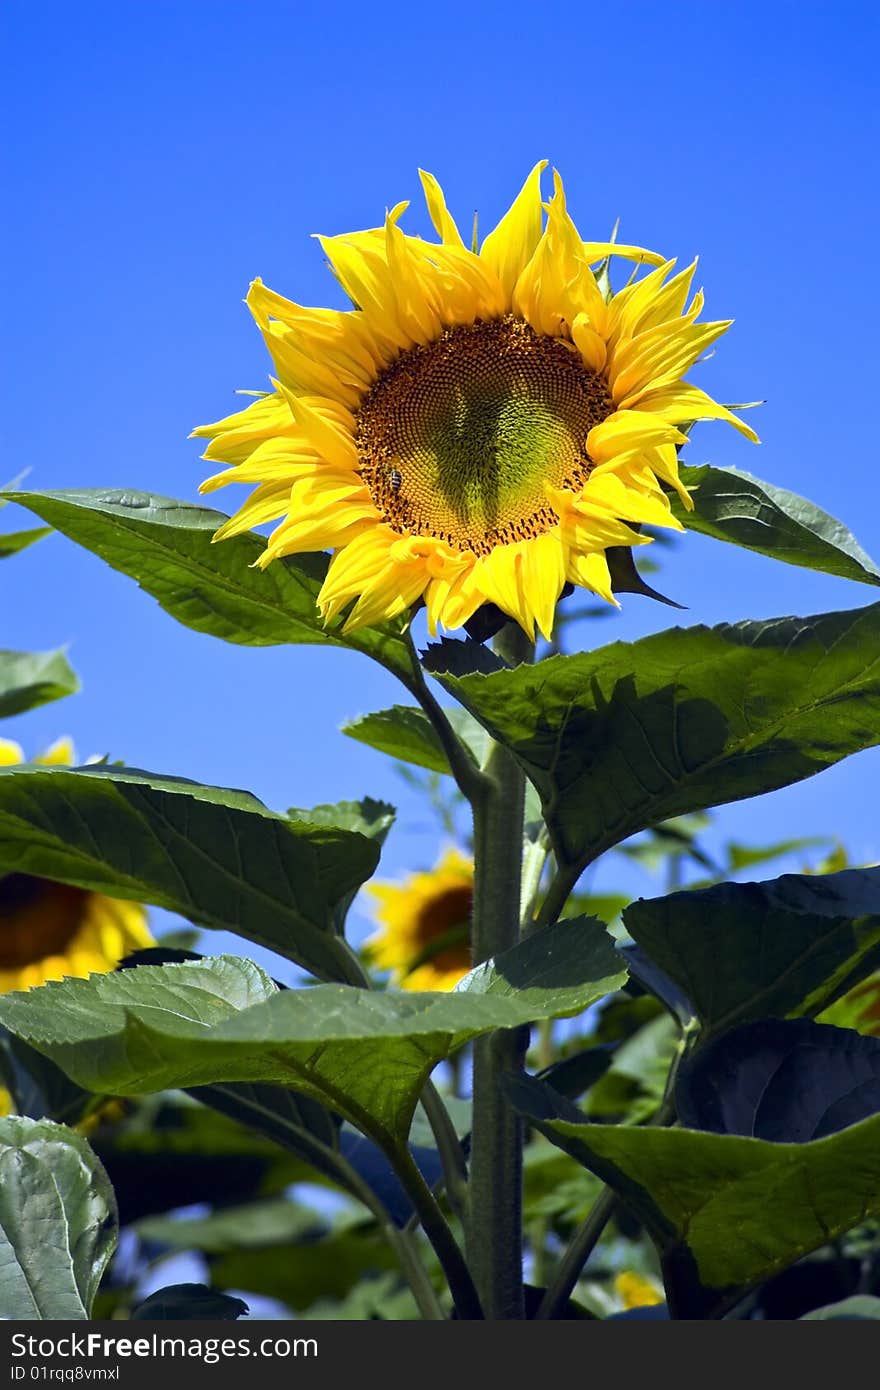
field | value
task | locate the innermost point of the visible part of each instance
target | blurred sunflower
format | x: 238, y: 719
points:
x: 481, y: 427
x: 637, y: 1290
x: 49, y: 930
x: 424, y: 932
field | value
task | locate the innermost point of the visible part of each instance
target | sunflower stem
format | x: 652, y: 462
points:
x: 452, y: 1159
x: 558, y: 892
x: 471, y: 782
x: 494, y: 1228
x: 422, y: 1289
x: 458, y: 1275
x: 580, y: 1249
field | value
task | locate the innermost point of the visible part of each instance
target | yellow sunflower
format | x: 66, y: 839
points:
x: 637, y: 1290
x: 424, y: 935
x: 49, y: 930
x: 481, y: 427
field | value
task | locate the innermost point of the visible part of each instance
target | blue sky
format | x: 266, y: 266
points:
x: 167, y: 153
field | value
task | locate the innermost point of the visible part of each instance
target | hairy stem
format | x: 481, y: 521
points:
x: 455, y: 1176
x: 436, y: 1228
x: 580, y: 1248
x: 468, y: 778
x: 494, y: 1229
x: 423, y: 1290
x: 557, y: 895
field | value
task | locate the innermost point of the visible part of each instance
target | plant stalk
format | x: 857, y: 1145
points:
x: 578, y: 1252
x: 458, y: 1275
x: 494, y: 1228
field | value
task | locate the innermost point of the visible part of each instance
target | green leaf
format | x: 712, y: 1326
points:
x: 785, y: 948
x: 725, y: 1212
x: 733, y: 506
x: 367, y: 817
x: 402, y: 732
x: 860, y: 1307
x: 405, y: 732
x: 308, y: 1270
x: 167, y: 547
x: 29, y: 679
x: 365, y: 1055
x: 216, y: 857
x: 741, y: 857
x: 557, y: 971
x: 254, y: 1225
x: 634, y: 733
x: 12, y: 542
x: 57, y: 1221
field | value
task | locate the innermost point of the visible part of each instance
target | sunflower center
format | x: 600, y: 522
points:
x: 38, y: 918
x: 458, y: 438
x: 443, y: 931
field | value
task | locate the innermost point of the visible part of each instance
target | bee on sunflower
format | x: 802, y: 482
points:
x: 481, y: 427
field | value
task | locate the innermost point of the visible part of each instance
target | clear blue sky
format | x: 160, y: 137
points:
x: 163, y: 154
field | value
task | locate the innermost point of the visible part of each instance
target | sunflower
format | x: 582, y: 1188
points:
x: 481, y: 427
x: 49, y: 930
x: 424, y: 936
x: 637, y: 1290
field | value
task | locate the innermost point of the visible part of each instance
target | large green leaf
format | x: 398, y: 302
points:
x: 364, y: 1054
x: 167, y: 547
x: 57, y: 1221
x: 785, y: 948
x: 634, y: 733
x: 735, y: 507
x: 12, y: 542
x: 725, y: 1212
x: 217, y: 857
x: 28, y: 679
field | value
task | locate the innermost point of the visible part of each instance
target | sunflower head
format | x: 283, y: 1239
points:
x: 49, y: 930
x: 481, y: 427
x: 424, y: 925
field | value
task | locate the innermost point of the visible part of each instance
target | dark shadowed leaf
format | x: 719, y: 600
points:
x: 649, y: 975
x: 217, y: 857
x: 733, y: 506
x: 29, y: 679
x: 788, y: 946
x: 57, y: 1221
x: 455, y: 657
x: 167, y: 547
x: 171, y: 1152
x: 618, y: 739
x: 725, y: 1212
x: 189, y: 1302
x: 788, y: 1080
